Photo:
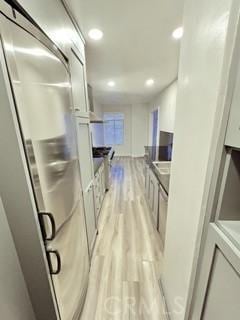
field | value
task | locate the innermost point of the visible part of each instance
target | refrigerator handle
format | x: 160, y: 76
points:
x: 42, y: 225
x: 58, y: 259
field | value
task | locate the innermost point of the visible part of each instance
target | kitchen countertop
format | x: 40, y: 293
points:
x: 150, y: 157
x: 97, y: 164
x: 163, y: 180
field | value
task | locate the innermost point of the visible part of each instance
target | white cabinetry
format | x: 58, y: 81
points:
x: 86, y: 171
x: 85, y: 152
x: 102, y: 178
x: 222, y: 301
x: 79, y: 87
x: 157, y: 200
x: 80, y: 103
x: 99, y: 189
x: 217, y: 290
x: 90, y: 216
x: 162, y: 213
x: 152, y: 193
x: 147, y: 179
x: 154, y: 197
x: 97, y: 193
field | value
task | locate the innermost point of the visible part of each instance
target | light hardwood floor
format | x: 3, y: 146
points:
x: 126, y: 262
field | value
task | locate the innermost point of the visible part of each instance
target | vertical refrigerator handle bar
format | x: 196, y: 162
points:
x: 42, y: 225
x: 59, y: 263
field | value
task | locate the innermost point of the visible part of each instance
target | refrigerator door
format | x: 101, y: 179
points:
x: 41, y: 87
x: 71, y: 280
x: 42, y: 93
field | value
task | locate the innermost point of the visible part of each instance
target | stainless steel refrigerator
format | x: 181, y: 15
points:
x: 41, y: 88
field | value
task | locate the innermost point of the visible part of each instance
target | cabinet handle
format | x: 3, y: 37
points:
x: 59, y: 263
x: 42, y: 225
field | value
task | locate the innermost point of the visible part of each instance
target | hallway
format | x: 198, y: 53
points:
x: 126, y: 262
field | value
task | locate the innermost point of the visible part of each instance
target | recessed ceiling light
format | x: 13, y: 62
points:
x: 149, y: 82
x: 95, y: 34
x: 178, y: 33
x: 111, y: 83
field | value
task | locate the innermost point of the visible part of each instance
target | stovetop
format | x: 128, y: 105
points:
x: 100, y: 152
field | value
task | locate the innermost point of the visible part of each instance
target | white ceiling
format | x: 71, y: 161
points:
x: 137, y: 45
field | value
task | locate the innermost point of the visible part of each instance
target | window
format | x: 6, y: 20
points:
x: 113, y: 128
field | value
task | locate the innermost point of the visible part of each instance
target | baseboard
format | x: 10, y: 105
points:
x: 122, y: 156
x: 138, y: 156
x: 128, y: 156
x: 165, y: 314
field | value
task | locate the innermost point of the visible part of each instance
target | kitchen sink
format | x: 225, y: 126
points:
x: 163, y: 167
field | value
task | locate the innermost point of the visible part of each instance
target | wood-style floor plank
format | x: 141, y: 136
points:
x: 127, y: 258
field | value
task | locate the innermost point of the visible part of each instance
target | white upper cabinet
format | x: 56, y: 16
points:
x: 79, y: 89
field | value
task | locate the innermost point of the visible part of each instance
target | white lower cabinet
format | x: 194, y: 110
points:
x: 222, y: 301
x: 147, y: 178
x: 85, y: 152
x: 86, y: 172
x: 102, y: 181
x: 162, y: 213
x: 90, y: 216
x: 154, y: 197
x: 152, y: 193
x: 97, y: 194
x: 158, y: 201
x: 99, y: 189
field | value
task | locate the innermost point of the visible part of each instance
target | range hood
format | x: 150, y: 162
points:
x: 92, y: 115
x: 94, y: 118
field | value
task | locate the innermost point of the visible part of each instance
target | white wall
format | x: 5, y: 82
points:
x: 14, y: 298
x: 135, y: 128
x: 201, y: 63
x: 98, y: 108
x: 139, y: 129
x: 165, y: 102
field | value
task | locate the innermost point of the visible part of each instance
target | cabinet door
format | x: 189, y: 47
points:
x: 162, y: 211
x: 152, y: 187
x: 90, y: 216
x: 147, y: 181
x: 97, y: 194
x: 102, y: 182
x: 153, y: 197
x: 85, y: 153
x: 222, y: 301
x: 156, y: 202
x: 79, y: 91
